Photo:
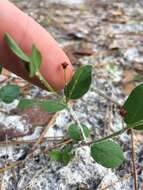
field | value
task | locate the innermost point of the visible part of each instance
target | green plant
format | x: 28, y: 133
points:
x: 104, y: 151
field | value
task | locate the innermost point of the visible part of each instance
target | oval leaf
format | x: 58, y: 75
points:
x: 9, y: 93
x: 35, y: 61
x: 66, y: 157
x: 75, y: 133
x: 134, y: 108
x: 61, y: 156
x: 107, y: 153
x: 56, y: 155
x: 79, y: 83
x: 45, y: 105
x: 52, y: 106
x: 26, y: 103
x: 15, y: 48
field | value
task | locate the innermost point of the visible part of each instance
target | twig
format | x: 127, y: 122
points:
x: 133, y: 161
x: 13, y: 165
x: 15, y: 142
x: 108, y: 137
x: 67, y: 141
x: 6, y: 140
x: 39, y: 141
x: 4, y: 111
x: 100, y: 93
x: 20, y: 163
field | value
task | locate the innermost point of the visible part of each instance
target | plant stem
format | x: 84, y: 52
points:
x: 19, y: 163
x: 75, y: 118
x: 109, y: 136
x: 65, y: 80
x: 47, y: 85
x: 133, y: 161
x: 65, y: 77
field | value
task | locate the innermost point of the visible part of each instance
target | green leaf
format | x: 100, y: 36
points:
x: 9, y: 93
x: 134, y: 107
x: 61, y: 156
x: 66, y: 157
x: 52, y: 106
x: 35, y: 61
x: 15, y: 48
x: 26, y: 103
x: 79, y: 83
x: 137, y: 125
x: 138, y: 77
x: 68, y: 148
x: 75, y: 133
x: 68, y: 153
x: 48, y: 106
x: 107, y: 153
x: 56, y: 155
x: 139, y: 128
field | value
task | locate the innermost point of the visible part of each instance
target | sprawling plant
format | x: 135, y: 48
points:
x: 104, y: 151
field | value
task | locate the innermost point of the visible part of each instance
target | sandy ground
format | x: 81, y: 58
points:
x: 107, y: 35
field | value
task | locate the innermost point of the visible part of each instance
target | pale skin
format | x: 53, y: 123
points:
x: 26, y: 32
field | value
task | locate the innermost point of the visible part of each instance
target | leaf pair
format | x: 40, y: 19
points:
x: 76, y: 88
x: 34, y: 61
x: 106, y: 153
x: 63, y: 156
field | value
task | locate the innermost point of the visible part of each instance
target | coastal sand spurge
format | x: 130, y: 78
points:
x: 104, y: 151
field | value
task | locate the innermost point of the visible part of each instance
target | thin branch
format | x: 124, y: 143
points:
x: 40, y: 140
x: 101, y: 93
x: 20, y: 163
x: 108, y: 137
x: 47, y: 85
x: 133, y: 161
x: 67, y: 141
x: 75, y: 118
x: 4, y: 111
x: 15, y: 142
x: 13, y: 165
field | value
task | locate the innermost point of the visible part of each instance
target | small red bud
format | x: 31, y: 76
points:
x: 64, y: 65
x: 122, y: 112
